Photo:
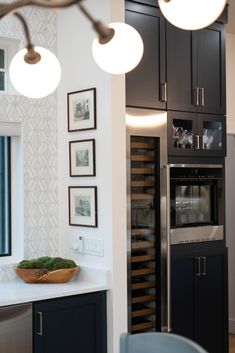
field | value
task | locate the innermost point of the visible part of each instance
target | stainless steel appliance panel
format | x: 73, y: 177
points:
x: 16, y: 329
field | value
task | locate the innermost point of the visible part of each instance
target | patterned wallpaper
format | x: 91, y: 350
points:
x: 39, y: 118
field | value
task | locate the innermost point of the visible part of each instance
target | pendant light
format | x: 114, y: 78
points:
x: 122, y: 53
x: 35, y: 80
x: 191, y: 14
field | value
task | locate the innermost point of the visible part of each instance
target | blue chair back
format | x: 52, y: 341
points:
x: 157, y: 342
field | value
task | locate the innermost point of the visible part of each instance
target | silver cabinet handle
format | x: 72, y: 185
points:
x: 163, y: 92
x: 198, y: 266
x: 196, y: 96
x: 202, y: 97
x: 40, y: 332
x: 198, y: 142
x: 203, y: 271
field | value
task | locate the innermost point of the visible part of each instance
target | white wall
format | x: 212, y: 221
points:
x: 39, y: 120
x: 80, y: 72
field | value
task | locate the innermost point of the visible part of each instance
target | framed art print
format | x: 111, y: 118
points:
x: 82, y: 158
x: 82, y: 110
x: 83, y: 206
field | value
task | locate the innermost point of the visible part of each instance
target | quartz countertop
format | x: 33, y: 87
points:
x: 87, y: 280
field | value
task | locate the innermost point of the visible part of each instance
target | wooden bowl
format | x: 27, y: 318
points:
x: 45, y: 276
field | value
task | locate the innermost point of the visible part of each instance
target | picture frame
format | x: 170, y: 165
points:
x: 82, y: 158
x: 81, y: 107
x: 83, y: 206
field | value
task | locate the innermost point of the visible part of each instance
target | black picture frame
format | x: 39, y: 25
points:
x: 83, y: 206
x: 81, y: 109
x: 82, y: 158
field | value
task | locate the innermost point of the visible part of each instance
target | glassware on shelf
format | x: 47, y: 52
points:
x: 182, y: 138
x: 208, y: 137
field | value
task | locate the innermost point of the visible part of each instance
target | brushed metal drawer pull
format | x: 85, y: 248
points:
x: 203, y: 273
x: 198, y: 266
x: 40, y: 332
x: 196, y: 100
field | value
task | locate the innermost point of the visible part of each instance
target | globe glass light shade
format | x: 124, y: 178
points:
x: 35, y: 80
x: 122, y: 53
x: 191, y: 14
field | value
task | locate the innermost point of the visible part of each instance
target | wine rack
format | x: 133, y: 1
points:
x: 144, y: 267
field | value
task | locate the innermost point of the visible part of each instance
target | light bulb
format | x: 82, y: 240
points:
x: 191, y: 14
x: 35, y: 80
x: 122, y: 53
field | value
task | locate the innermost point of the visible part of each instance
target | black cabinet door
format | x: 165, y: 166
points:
x: 181, y: 69
x: 194, y: 134
x: 196, y: 69
x: 199, y: 296
x: 212, y: 130
x: 145, y: 85
x: 211, y: 301
x: 211, y: 69
x: 74, y: 324
x: 182, y: 297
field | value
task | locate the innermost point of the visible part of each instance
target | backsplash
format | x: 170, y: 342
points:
x: 39, y: 118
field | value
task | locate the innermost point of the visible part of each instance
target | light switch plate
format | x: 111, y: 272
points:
x: 94, y: 246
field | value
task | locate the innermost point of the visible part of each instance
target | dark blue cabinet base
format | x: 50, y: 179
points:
x: 75, y: 324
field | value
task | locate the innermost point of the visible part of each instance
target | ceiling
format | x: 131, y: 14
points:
x: 231, y: 17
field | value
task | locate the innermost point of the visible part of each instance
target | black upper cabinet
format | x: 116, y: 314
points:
x: 181, y: 75
x: 211, y: 69
x: 196, y: 69
x: 74, y: 324
x: 146, y: 84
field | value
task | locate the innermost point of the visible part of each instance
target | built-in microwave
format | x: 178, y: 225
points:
x: 196, y: 202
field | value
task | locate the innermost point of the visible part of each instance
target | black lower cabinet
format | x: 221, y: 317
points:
x: 75, y: 324
x: 199, y: 296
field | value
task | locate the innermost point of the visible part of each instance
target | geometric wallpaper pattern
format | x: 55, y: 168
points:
x: 39, y: 118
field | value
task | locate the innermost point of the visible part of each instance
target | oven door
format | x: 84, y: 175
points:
x: 195, y: 209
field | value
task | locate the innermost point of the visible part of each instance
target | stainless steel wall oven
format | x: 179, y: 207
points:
x: 196, y: 202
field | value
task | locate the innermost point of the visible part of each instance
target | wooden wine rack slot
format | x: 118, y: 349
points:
x: 144, y: 145
x: 142, y: 258
x: 143, y: 312
x: 143, y: 231
x: 142, y: 183
x: 143, y: 285
x: 143, y: 326
x: 142, y: 158
x: 143, y: 299
x: 149, y: 171
x: 135, y: 197
x: 143, y: 272
x: 137, y: 245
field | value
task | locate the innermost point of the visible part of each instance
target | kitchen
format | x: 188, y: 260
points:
x: 43, y: 233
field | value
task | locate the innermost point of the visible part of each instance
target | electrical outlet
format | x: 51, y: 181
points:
x: 94, y: 246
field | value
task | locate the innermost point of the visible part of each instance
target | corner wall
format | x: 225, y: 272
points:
x: 81, y: 72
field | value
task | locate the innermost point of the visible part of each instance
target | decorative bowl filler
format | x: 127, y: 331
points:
x: 47, y: 270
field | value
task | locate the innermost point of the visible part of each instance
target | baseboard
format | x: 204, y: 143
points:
x: 232, y: 326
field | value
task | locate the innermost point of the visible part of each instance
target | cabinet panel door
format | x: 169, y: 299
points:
x: 211, y: 69
x: 182, y: 294
x: 71, y: 324
x: 211, y: 302
x: 145, y: 84
x: 181, y: 69
x: 182, y: 129
x: 212, y: 128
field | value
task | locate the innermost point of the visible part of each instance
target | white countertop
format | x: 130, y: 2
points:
x: 86, y: 281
